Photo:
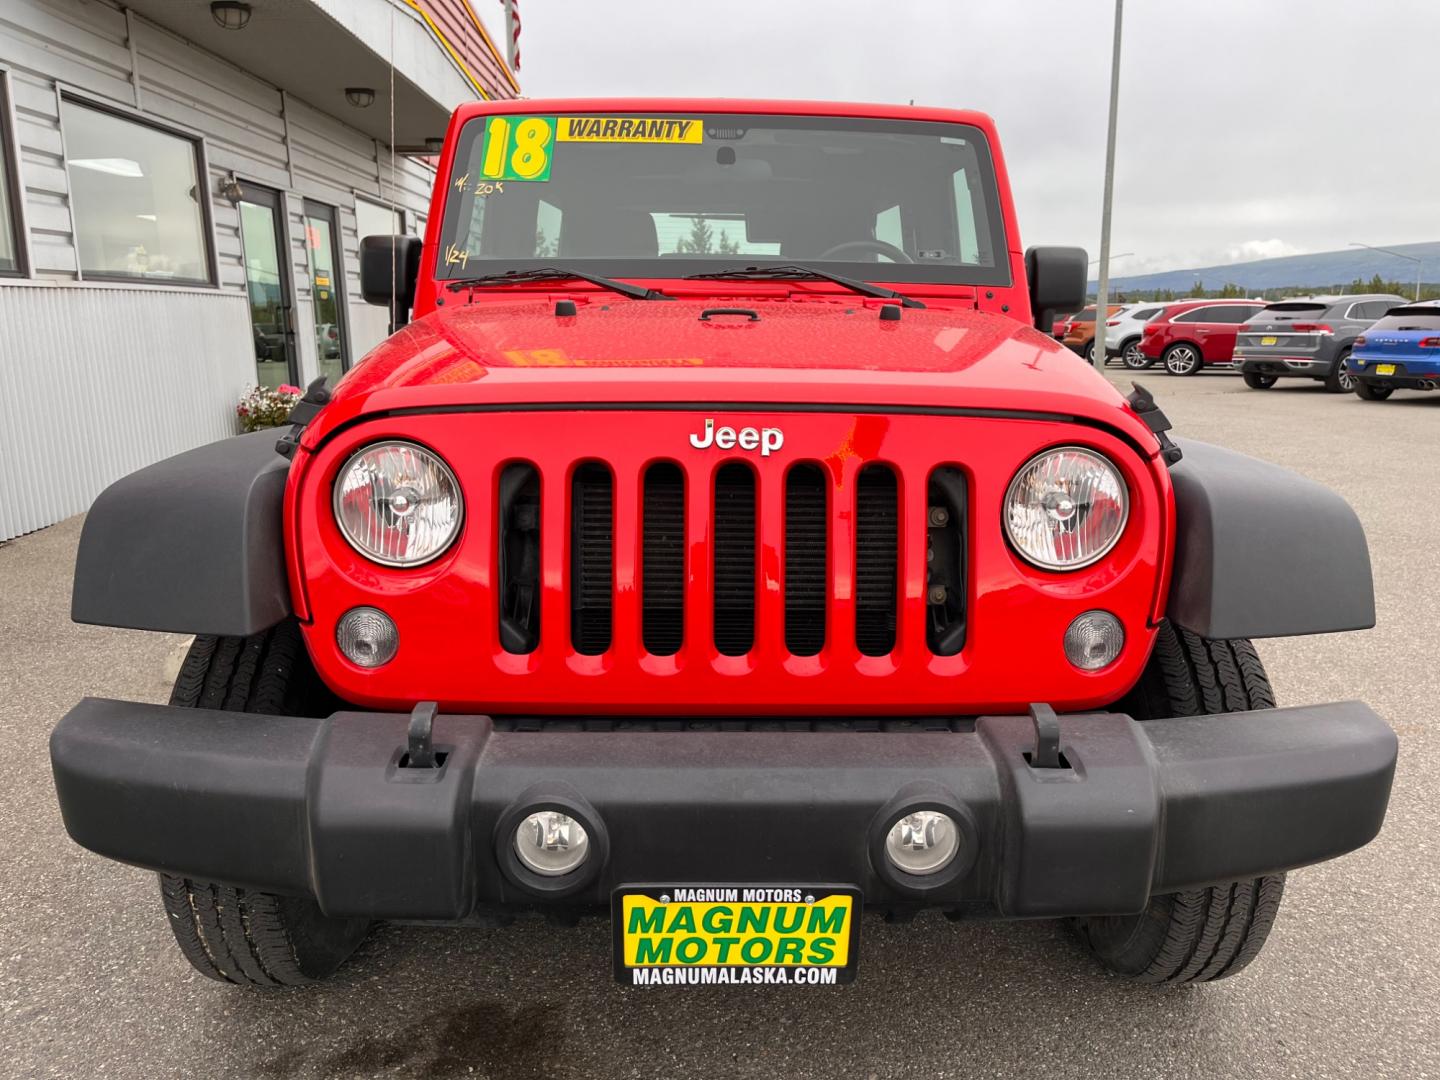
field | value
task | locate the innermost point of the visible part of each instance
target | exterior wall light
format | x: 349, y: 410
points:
x: 230, y: 14
x: 230, y: 188
x: 362, y: 97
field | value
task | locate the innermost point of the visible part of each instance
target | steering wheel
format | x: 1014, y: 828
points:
x: 878, y: 247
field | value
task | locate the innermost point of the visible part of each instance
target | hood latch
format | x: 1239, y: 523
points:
x: 316, y: 397
x: 1143, y: 402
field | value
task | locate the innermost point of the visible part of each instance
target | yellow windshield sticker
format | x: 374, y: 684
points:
x: 518, y: 148
x: 629, y: 129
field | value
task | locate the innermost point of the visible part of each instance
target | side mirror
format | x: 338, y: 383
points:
x: 1058, y: 278
x: 390, y: 269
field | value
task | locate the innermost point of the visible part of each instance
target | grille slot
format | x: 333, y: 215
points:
x: 519, y: 558
x: 945, y: 556
x: 592, y: 546
x: 876, y: 559
x: 734, y: 543
x: 662, y: 560
x: 806, y: 568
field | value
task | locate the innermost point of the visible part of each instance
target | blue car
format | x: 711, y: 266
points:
x: 1399, y: 352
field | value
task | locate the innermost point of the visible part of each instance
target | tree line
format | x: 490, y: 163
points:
x: 1230, y: 290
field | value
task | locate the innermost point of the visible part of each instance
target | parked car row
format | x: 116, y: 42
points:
x: 1371, y: 343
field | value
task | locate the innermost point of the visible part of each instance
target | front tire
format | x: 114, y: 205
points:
x: 1368, y: 391
x: 1183, y: 359
x: 1256, y: 381
x: 1202, y: 934
x: 243, y: 936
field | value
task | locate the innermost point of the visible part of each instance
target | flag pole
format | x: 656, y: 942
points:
x: 1102, y: 292
x: 510, y: 34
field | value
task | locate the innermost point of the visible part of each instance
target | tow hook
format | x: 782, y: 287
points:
x: 419, y: 749
x: 1046, y: 754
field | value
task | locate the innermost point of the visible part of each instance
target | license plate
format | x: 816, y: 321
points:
x: 1384, y: 369
x: 693, y: 935
x: 1269, y: 341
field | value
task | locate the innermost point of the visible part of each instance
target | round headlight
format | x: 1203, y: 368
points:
x: 398, y: 504
x: 1066, y: 508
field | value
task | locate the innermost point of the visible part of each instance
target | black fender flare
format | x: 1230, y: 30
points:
x: 1261, y: 551
x: 193, y: 544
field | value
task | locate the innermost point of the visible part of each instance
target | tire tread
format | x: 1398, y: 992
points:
x: 1203, y: 934
x: 236, y: 935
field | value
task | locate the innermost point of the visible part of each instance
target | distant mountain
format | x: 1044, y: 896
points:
x: 1321, y: 270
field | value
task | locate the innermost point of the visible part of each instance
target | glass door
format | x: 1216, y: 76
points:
x: 326, y: 269
x: 267, y: 283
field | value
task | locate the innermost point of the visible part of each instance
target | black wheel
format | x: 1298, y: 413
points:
x: 239, y: 935
x: 1340, y: 381
x: 1369, y: 391
x: 1183, y: 359
x: 1132, y: 357
x: 1089, y: 353
x: 1255, y: 381
x: 1210, y: 933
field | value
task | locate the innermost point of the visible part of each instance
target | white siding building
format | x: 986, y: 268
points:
x: 180, y: 212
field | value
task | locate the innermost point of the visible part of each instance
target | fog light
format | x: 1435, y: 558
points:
x: 923, y: 842
x: 551, y: 843
x: 367, y: 637
x: 1094, y: 640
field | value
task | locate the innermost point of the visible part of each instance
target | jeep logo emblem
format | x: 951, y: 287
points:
x: 766, y: 440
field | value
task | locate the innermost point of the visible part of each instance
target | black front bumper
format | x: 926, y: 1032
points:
x: 326, y: 807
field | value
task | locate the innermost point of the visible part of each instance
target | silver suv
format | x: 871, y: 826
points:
x: 1307, y: 337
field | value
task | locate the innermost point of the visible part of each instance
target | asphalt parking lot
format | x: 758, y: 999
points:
x: 1349, y: 985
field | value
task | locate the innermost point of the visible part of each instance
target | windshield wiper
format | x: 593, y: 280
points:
x: 795, y: 270
x: 558, y: 273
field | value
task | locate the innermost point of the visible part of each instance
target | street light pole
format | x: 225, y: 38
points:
x: 1102, y: 292
x: 1419, y: 263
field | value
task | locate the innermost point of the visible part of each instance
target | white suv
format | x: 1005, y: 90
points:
x: 1123, y: 330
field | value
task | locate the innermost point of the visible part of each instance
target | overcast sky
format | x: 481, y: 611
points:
x: 1247, y: 129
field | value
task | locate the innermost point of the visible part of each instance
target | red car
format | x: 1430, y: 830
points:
x: 1189, y: 334
x: 719, y: 545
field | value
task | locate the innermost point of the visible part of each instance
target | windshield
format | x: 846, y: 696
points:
x: 1293, y: 311
x: 1409, y: 318
x: 669, y: 195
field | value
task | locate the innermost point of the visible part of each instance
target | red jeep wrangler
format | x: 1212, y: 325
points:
x: 716, y: 542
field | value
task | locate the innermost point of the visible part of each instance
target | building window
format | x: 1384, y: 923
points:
x: 9, y: 191
x: 136, y: 196
x: 377, y: 219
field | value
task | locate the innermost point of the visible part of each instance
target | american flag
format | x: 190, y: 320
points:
x: 512, y: 31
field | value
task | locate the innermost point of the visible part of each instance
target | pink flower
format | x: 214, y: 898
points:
x: 287, y: 389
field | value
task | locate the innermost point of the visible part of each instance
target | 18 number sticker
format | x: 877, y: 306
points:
x: 518, y: 148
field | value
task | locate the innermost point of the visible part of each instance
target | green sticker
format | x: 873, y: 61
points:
x: 518, y: 148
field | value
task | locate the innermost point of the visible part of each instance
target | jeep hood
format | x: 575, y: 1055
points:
x: 836, y: 351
